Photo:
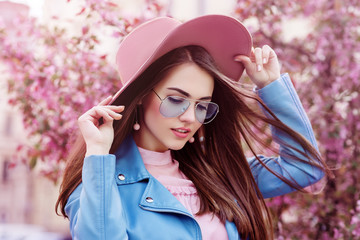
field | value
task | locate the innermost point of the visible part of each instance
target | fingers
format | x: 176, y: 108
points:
x: 106, y: 101
x: 262, y: 56
x: 266, y: 54
x: 244, y: 60
x: 107, y: 113
x: 258, y: 56
x: 262, y: 66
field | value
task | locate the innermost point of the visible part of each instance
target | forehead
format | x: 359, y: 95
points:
x: 190, y: 78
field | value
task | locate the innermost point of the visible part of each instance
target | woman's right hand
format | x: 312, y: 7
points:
x: 99, y: 138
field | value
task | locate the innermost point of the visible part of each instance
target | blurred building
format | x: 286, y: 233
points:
x: 27, y: 200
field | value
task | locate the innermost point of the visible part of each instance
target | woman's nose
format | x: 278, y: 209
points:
x: 189, y: 114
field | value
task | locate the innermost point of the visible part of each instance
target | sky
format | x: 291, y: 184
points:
x: 35, y: 6
x: 181, y: 6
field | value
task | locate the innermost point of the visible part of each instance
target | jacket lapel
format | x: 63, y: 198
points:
x: 130, y: 169
x: 129, y: 163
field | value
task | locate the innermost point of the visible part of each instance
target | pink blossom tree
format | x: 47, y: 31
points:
x: 53, y: 77
x: 324, y: 62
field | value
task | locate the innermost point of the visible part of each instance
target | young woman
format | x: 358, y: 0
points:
x: 165, y: 157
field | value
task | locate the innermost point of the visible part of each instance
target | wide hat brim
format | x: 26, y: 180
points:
x: 222, y: 36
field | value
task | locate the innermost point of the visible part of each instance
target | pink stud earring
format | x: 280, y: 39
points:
x: 191, y: 140
x: 136, y: 126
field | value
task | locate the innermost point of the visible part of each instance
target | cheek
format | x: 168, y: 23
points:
x: 151, y: 110
x: 198, y: 126
x: 152, y: 116
x: 154, y: 108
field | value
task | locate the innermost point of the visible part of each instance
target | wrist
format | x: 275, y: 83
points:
x: 263, y: 84
x: 260, y: 85
x: 96, y: 150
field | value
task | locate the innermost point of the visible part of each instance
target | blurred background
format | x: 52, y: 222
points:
x: 57, y: 61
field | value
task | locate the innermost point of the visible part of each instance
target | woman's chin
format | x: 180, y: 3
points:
x: 177, y: 146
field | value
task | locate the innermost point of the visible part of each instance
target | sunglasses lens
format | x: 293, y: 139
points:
x: 206, y: 111
x: 174, y: 106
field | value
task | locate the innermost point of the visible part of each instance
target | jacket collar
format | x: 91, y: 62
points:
x: 129, y: 163
x: 131, y: 168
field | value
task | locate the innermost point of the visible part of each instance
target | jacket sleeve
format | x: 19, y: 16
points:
x: 280, y: 96
x: 94, y: 208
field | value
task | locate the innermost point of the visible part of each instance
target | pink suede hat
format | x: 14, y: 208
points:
x: 222, y: 36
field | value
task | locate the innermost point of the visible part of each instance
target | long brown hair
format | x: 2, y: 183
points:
x: 217, y: 166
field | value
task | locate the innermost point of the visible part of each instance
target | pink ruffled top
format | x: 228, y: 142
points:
x: 167, y: 172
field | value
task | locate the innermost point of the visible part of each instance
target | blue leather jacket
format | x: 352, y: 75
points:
x: 119, y: 199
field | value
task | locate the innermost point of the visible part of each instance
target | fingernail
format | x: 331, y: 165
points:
x: 258, y: 67
x: 264, y: 60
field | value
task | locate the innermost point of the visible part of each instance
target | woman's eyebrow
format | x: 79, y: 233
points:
x: 186, y: 94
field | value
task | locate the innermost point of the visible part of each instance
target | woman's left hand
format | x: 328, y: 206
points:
x: 262, y: 66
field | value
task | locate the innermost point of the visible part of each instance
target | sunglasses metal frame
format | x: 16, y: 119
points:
x: 191, y: 100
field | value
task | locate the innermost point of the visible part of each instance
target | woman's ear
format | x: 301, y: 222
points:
x: 140, y: 102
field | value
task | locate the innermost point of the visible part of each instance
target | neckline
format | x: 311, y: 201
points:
x: 155, y: 158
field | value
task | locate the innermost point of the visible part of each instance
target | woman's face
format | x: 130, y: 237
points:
x: 159, y: 133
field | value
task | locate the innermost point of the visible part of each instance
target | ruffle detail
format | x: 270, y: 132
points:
x: 178, y: 186
x: 183, y: 191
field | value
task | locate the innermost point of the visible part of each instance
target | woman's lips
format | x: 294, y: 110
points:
x: 181, y: 132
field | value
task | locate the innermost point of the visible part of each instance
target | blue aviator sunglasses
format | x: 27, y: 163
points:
x: 173, y: 106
